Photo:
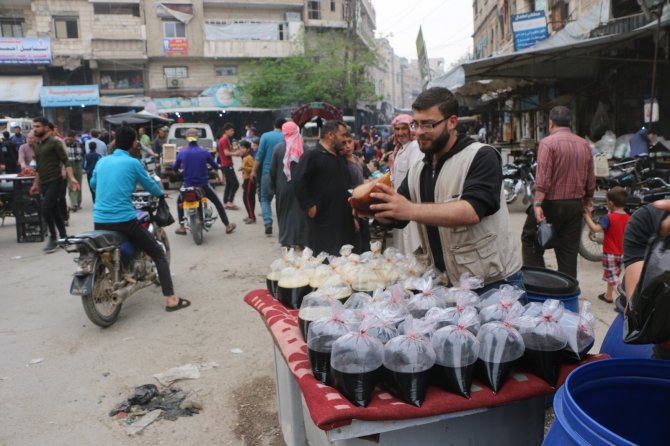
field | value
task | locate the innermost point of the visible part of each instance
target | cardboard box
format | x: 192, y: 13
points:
x: 169, y: 154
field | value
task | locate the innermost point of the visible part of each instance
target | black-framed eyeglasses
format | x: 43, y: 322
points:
x: 426, y: 126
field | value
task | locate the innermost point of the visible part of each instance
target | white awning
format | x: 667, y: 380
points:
x: 24, y: 89
x: 127, y: 2
x: 212, y: 109
x: 180, y: 11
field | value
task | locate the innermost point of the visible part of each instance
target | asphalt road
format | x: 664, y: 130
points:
x: 80, y: 372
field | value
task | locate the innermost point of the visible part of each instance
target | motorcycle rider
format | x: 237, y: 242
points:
x: 114, y: 180
x: 194, y: 160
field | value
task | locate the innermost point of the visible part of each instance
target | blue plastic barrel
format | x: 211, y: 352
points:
x: 613, y: 343
x: 542, y: 284
x: 620, y: 402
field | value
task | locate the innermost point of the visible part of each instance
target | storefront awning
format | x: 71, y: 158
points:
x: 25, y: 89
x: 560, y: 56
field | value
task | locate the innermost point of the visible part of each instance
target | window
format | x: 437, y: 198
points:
x: 175, y: 71
x: 117, y: 8
x: 332, y: 5
x: 66, y: 28
x: 11, y: 28
x: 174, y: 29
x: 225, y: 71
x: 119, y: 80
x: 314, y: 9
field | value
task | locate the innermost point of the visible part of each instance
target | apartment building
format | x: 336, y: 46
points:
x: 159, y: 54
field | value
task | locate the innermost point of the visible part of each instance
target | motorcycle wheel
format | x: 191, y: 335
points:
x: 195, y: 222
x: 510, y: 193
x: 99, y: 306
x: 591, y: 243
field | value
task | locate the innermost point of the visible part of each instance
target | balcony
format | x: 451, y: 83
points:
x: 118, y: 49
x: 265, y: 4
x: 125, y: 27
x: 251, y: 48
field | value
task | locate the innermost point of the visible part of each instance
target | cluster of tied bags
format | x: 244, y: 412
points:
x: 437, y: 336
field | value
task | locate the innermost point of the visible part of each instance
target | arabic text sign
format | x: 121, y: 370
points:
x: 175, y: 47
x: 19, y: 50
x: 70, y: 96
x: 528, y: 29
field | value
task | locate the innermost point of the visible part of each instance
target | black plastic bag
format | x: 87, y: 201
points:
x: 647, y: 315
x: 163, y: 217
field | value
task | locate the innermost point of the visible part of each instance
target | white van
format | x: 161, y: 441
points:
x: 8, y: 124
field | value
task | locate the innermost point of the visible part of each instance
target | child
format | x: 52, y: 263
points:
x: 375, y: 171
x: 90, y: 160
x: 614, y: 224
x: 248, y: 185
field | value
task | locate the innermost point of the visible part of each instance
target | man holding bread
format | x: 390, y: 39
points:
x: 455, y: 195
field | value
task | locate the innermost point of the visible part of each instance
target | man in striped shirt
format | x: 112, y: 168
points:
x: 564, y: 185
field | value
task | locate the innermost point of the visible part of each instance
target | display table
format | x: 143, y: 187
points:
x: 515, y: 415
x: 24, y: 207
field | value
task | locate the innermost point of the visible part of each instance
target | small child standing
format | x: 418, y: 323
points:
x: 90, y: 161
x: 614, y: 225
x: 248, y: 185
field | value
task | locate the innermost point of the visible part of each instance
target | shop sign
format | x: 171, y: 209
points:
x: 70, y: 96
x: 175, y: 47
x: 25, y: 50
x: 528, y: 29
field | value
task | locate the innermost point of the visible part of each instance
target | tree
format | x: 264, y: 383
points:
x: 328, y: 71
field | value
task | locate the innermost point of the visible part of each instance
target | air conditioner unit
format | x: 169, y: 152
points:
x: 174, y: 82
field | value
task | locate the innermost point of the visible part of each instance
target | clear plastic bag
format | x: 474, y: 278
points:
x: 496, y: 304
x: 456, y: 351
x: 500, y: 346
x: 292, y: 287
x: 462, y: 293
x: 321, y: 335
x: 579, y: 332
x: 428, y: 298
x: 394, y: 308
x: 316, y: 306
x: 407, y: 363
x: 355, y: 360
x: 380, y: 328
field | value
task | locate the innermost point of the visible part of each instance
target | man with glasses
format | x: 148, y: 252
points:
x: 322, y: 183
x: 455, y: 195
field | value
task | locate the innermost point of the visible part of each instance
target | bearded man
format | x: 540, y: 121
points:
x: 455, y: 195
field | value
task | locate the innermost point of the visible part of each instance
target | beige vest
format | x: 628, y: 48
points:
x: 488, y: 249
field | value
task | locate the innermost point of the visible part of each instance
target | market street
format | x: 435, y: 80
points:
x: 86, y: 371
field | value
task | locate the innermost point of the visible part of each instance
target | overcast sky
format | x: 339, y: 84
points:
x: 447, y: 27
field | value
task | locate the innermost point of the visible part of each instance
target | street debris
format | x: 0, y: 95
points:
x: 236, y: 351
x: 186, y: 371
x: 34, y: 361
x: 136, y: 427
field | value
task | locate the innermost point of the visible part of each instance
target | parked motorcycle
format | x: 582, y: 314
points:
x: 198, y: 215
x: 519, y: 177
x: 109, y: 267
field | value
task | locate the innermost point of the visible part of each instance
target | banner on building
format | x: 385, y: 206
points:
x: 25, y: 50
x: 528, y: 29
x: 217, y: 96
x: 70, y: 96
x: 423, y: 59
x: 175, y: 47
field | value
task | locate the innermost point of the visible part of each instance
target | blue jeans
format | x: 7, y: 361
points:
x: 515, y: 279
x: 266, y: 199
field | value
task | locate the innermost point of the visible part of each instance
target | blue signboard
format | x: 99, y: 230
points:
x: 70, y: 96
x: 25, y: 50
x: 528, y: 29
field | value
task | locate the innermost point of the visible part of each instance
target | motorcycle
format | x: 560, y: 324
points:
x: 109, y: 267
x: 519, y: 177
x: 198, y: 215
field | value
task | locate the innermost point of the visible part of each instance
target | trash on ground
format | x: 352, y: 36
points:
x: 16, y: 258
x: 208, y: 365
x: 186, y: 371
x: 34, y: 361
x: 237, y: 351
x: 140, y: 424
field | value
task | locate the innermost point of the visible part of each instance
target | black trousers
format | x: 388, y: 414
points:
x: 566, y: 217
x: 249, y: 190
x: 232, y: 184
x: 211, y: 196
x: 52, y: 207
x: 141, y: 238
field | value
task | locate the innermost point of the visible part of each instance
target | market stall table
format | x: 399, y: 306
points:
x: 15, y: 196
x: 515, y: 415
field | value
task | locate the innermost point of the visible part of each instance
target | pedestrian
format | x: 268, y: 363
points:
x: 50, y: 156
x: 75, y: 154
x: 27, y: 152
x: 375, y: 169
x: 62, y: 195
x: 481, y: 134
x: 159, y: 140
x: 143, y: 138
x: 101, y: 146
x: 564, y: 185
x: 248, y: 184
x: 362, y: 226
x: 193, y: 160
x: 640, y: 142
x: 322, y: 183
x: 456, y: 197
x: 405, y: 154
x: 226, y: 154
x: 90, y: 161
x: 266, y: 145
x: 368, y: 149
x: 114, y: 179
x: 17, y: 138
x: 9, y: 154
x: 291, y: 220
x: 613, y: 225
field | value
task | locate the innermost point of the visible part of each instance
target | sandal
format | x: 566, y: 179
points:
x: 602, y: 297
x: 180, y: 231
x: 232, y: 228
x: 183, y: 303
